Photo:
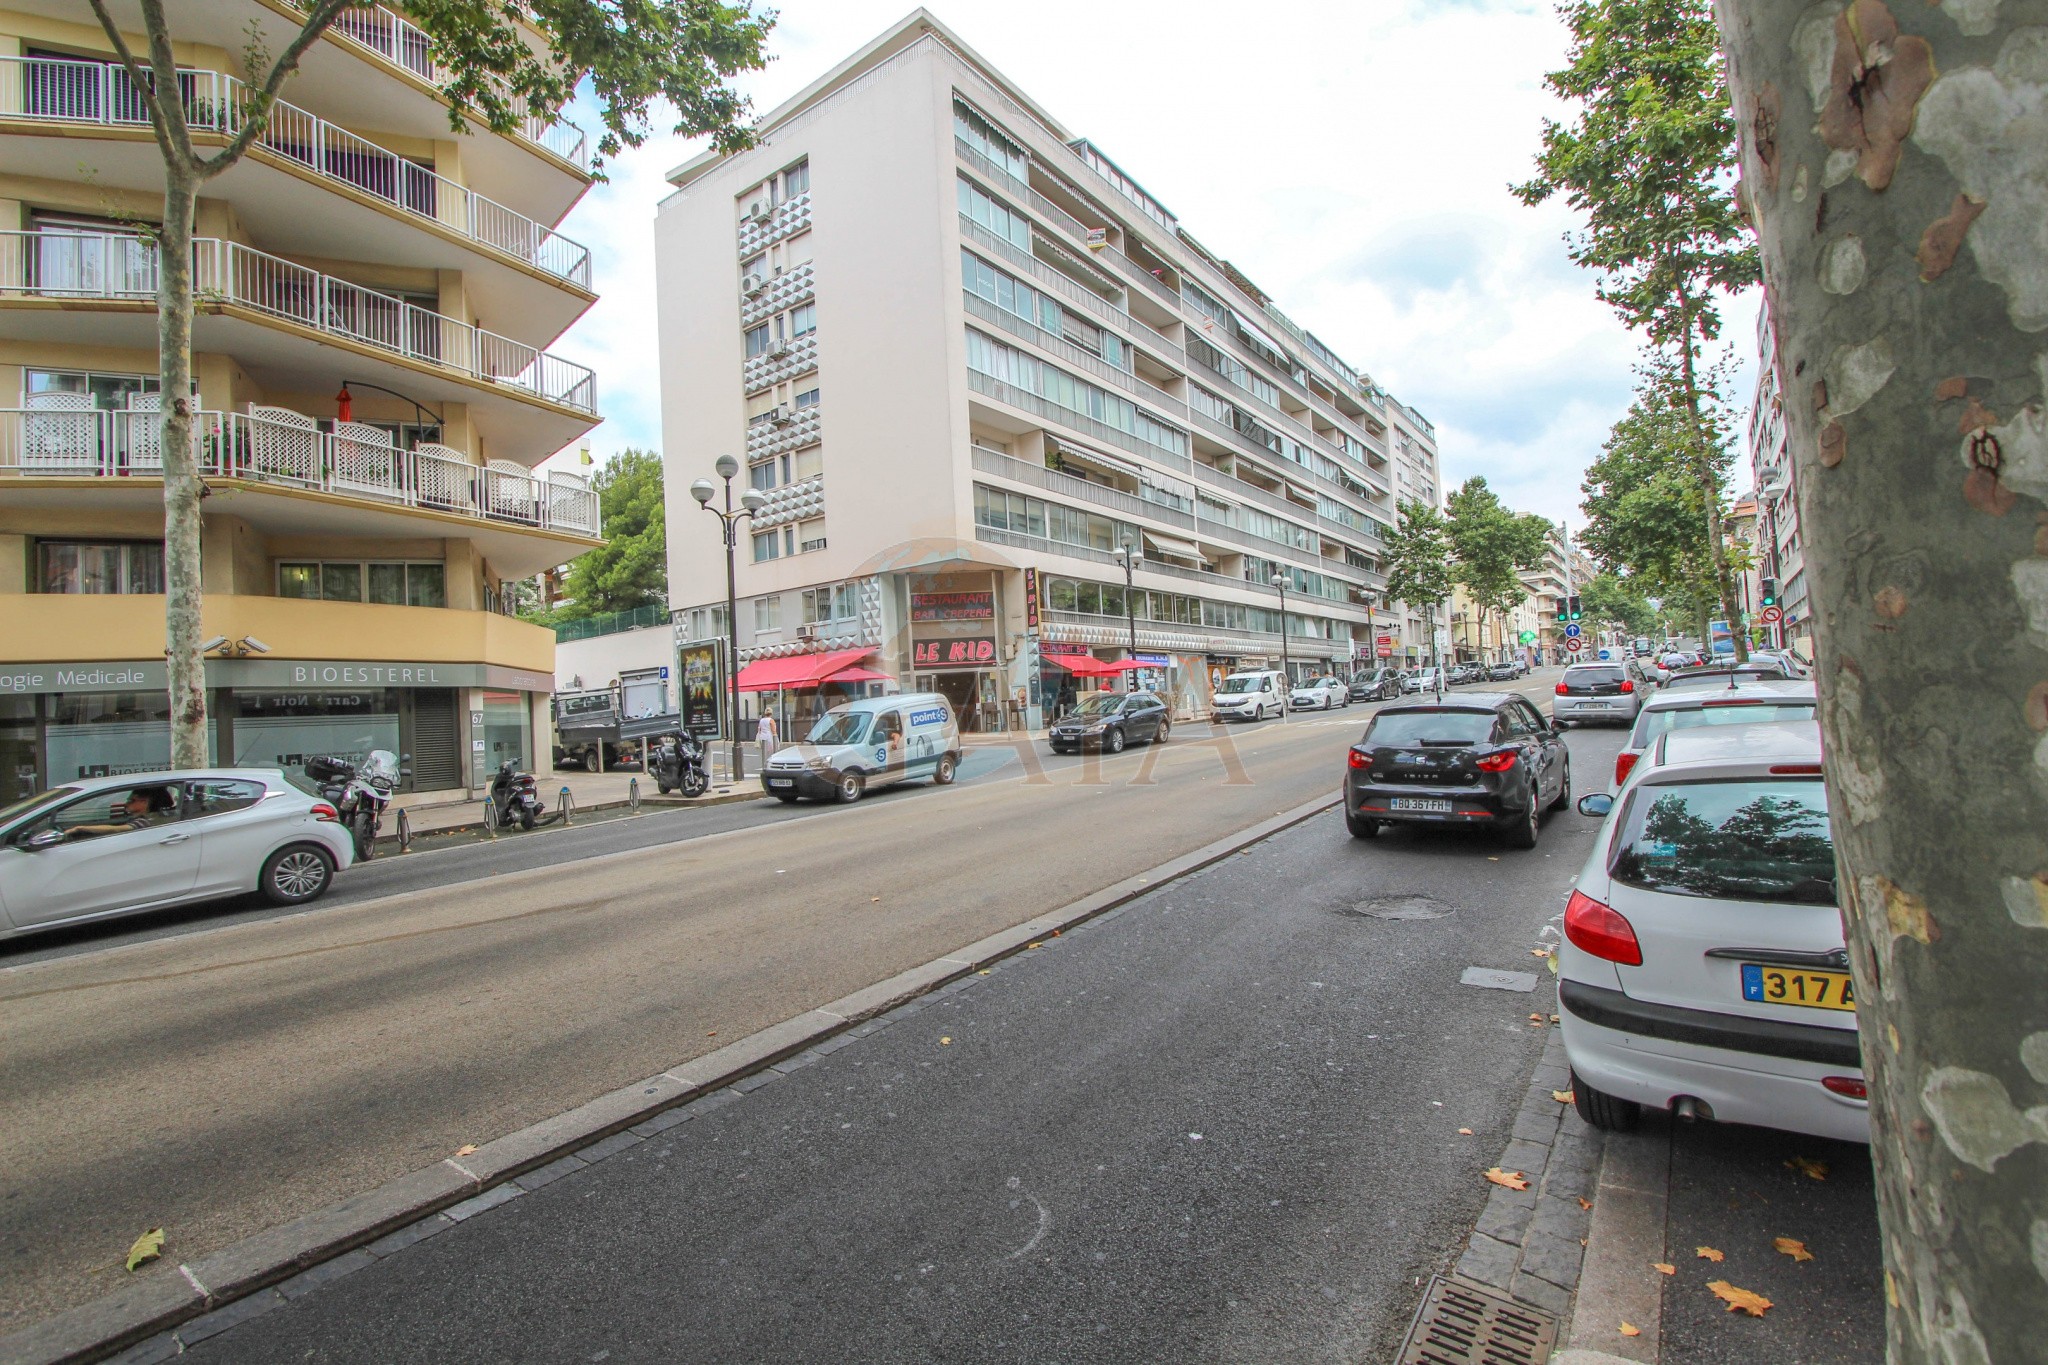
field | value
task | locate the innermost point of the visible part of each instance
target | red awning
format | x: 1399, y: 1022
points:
x: 797, y: 670
x: 858, y: 675
x: 1085, y: 665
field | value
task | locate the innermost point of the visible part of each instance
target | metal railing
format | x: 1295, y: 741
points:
x: 275, y: 446
x: 70, y: 91
x: 589, y: 627
x: 75, y: 265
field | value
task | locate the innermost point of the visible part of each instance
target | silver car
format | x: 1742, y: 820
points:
x: 107, y: 846
x: 1598, y: 691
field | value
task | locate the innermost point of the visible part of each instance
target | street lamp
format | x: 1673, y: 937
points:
x: 1286, y: 666
x: 1130, y: 556
x: 751, y: 501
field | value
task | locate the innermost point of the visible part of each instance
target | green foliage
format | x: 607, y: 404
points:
x: 631, y: 568
x: 1490, y: 545
x: 1610, y: 597
x: 1418, y: 557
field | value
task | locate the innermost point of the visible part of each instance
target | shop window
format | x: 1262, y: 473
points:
x: 17, y: 749
x: 505, y: 729
x: 286, y: 729
x: 107, y: 567
x: 104, y: 734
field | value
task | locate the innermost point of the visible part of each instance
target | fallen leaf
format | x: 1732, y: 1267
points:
x: 712, y: 1034
x: 1513, y: 1180
x: 1539, y: 952
x: 1748, y: 1301
x: 874, y: 900
x: 1031, y: 945
x: 1553, y: 1019
x: 1806, y: 1166
x: 1664, y: 1267
x: 1553, y: 965
x: 148, y: 1247
x: 1561, y: 1096
x: 1537, y: 1018
x: 982, y: 972
x: 945, y: 1042
x: 1466, y: 1131
x: 1491, y: 859
x: 1585, y: 1203
x: 465, y: 1149
x: 1709, y: 1254
x: 1792, y: 1247
x: 1629, y: 1329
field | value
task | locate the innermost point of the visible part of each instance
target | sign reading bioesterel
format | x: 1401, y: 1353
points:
x: 952, y: 606
x: 151, y: 675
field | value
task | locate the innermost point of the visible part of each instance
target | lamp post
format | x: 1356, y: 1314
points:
x: 703, y: 490
x: 1130, y: 557
x: 1286, y: 666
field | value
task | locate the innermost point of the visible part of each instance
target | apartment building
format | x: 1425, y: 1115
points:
x: 1007, y: 413
x: 1780, y: 550
x: 1549, y: 584
x: 376, y: 299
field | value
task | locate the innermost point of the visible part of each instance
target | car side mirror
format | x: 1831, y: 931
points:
x: 45, y: 838
x: 1596, y: 803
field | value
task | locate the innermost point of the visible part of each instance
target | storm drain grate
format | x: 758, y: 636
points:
x: 1463, y: 1324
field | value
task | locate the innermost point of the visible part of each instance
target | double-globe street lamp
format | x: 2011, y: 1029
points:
x: 751, y: 501
x: 1286, y: 665
x: 1130, y: 556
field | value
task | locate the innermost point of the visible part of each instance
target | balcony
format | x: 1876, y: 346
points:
x: 269, y: 449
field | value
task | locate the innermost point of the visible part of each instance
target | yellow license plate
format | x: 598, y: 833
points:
x: 1786, y: 986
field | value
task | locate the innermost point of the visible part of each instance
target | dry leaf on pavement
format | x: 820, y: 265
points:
x: 1709, y: 1254
x: 1561, y: 1096
x: 1792, y: 1247
x: 1748, y: 1301
x: 945, y: 1042
x: 1629, y: 1329
x: 465, y: 1149
x: 1585, y: 1203
x: 1539, y: 952
x: 148, y: 1247
x: 1513, y: 1180
x: 1466, y: 1131
x: 1664, y: 1267
x: 1806, y: 1166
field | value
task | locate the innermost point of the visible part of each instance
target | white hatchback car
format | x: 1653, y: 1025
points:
x: 1753, y: 702
x: 1320, y: 694
x: 1703, y: 969
x: 107, y: 846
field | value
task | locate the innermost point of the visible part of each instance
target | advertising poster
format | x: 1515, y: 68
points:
x: 701, y: 666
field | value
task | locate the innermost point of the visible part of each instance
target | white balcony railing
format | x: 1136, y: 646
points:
x: 66, y: 91
x: 277, y: 446
x: 75, y: 265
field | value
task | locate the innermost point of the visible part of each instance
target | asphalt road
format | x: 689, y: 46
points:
x: 1219, y: 1125
x: 218, y: 1080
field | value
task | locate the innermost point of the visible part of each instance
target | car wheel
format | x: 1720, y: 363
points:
x: 851, y: 786
x: 1114, y: 741
x: 1165, y: 729
x: 1360, y: 827
x: 786, y: 798
x: 942, y: 775
x: 1521, y: 829
x: 296, y: 874
x: 1564, y: 788
x: 1603, y: 1110
x: 593, y: 762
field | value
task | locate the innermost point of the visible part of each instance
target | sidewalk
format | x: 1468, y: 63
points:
x: 435, y: 812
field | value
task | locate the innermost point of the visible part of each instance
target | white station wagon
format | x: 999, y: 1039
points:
x: 107, y: 846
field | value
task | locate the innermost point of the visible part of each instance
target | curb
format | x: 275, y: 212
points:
x: 646, y: 802
x: 1626, y: 1237
x: 95, y: 1330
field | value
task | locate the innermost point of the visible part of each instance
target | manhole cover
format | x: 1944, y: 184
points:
x: 1400, y: 907
x: 1493, y: 979
x: 1462, y: 1324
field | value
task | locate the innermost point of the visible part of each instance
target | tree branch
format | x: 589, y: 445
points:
x: 319, y: 16
x: 136, y: 76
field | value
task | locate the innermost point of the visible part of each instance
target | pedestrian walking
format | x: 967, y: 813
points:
x: 765, y: 737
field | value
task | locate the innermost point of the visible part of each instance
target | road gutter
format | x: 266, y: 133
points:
x: 93, y: 1331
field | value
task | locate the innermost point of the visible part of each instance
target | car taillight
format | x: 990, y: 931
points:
x: 1359, y: 759
x: 1628, y: 684
x: 1496, y: 763
x: 323, y: 811
x: 1850, y: 1087
x: 1563, y: 691
x: 1795, y: 770
x: 1600, y: 930
x: 1623, y: 763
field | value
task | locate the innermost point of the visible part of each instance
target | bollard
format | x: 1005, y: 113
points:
x: 404, y: 831
x: 565, y: 806
x: 491, y: 815
x: 633, y: 793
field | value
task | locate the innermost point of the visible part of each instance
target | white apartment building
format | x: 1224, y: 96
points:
x: 1549, y: 583
x: 1780, y: 551
x: 968, y: 359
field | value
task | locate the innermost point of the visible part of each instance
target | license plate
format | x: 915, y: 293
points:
x: 1434, y: 804
x: 781, y: 782
x: 1785, y: 986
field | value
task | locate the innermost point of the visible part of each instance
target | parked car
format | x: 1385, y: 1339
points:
x: 108, y: 846
x: 1467, y: 673
x: 1381, y: 684
x: 1320, y: 694
x: 1590, y: 692
x: 1484, y: 757
x: 1420, y: 680
x: 1755, y: 701
x: 872, y: 742
x: 1703, y: 969
x: 1505, y: 670
x: 1110, y: 720
x: 1716, y: 675
x: 1250, y: 696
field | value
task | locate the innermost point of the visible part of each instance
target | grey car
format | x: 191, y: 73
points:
x: 1596, y: 692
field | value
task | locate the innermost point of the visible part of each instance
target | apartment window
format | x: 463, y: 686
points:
x: 107, y: 390
x: 979, y: 133
x: 804, y: 320
x: 1008, y: 365
x: 757, y: 340
x: 767, y: 545
x: 761, y: 477
x: 394, y: 584
x: 767, y: 614
x: 797, y: 180
x: 807, y: 399
x: 103, y: 567
x: 839, y: 602
x: 755, y: 265
x: 979, y: 206
x: 810, y: 535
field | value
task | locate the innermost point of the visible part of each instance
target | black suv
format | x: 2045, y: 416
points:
x: 1110, y: 720
x: 1379, y: 685
x: 1486, y: 757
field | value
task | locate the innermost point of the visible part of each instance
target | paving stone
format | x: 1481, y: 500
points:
x: 752, y: 1083
x: 839, y: 1040
x: 718, y: 1099
x: 1553, y: 1258
x: 236, y: 1313
x: 1574, y: 1126
x: 611, y: 1146
x: 796, y: 1063
x: 1540, y: 1128
x: 1504, y: 1218
x: 406, y: 1236
x: 662, y: 1122
x: 326, y: 1272
x: 1542, y: 1293
x: 1548, y: 1078
x: 1575, y: 1153
x: 550, y: 1173
x: 489, y: 1199
x: 1527, y: 1157
x: 1488, y: 1260
x: 1568, y: 1181
x: 157, y: 1348
x: 1560, y: 1218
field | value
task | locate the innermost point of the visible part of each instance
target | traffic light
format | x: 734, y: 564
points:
x: 1571, y: 608
x: 1769, y: 593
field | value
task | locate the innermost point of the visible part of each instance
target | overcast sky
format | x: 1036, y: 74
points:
x: 1352, y: 158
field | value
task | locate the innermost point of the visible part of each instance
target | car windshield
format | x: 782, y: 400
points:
x: 1744, y: 839
x: 1239, y: 684
x: 29, y: 805
x: 1419, y: 728
x: 1655, y: 724
x: 1099, y: 704
x: 840, y: 727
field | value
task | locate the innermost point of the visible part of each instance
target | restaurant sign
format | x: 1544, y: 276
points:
x: 952, y: 606
x: 975, y: 652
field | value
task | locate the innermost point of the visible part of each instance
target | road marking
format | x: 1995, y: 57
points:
x: 1044, y: 1223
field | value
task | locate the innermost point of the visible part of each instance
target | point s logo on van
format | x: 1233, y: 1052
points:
x: 931, y: 715
x: 974, y: 653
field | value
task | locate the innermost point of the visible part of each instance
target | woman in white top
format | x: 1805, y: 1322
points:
x: 765, y: 737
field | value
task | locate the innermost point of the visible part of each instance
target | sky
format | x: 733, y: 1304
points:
x: 1353, y: 161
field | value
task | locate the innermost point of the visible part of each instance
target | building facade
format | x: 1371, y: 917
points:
x: 1549, y: 584
x: 375, y: 299
x: 1780, y: 550
x: 968, y: 360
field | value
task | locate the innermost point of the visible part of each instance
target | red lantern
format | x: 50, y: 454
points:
x: 344, y: 405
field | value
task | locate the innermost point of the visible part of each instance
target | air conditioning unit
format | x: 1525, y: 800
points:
x: 781, y: 417
x: 780, y: 348
x: 752, y: 285
x: 806, y: 632
x: 760, y: 211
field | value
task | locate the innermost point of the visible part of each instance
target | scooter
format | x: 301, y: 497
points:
x: 678, y: 765
x: 359, y: 793
x: 515, y: 799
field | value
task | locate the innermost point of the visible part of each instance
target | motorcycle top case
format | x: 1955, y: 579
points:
x: 327, y: 769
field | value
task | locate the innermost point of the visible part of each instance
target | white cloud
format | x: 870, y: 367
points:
x: 1352, y: 158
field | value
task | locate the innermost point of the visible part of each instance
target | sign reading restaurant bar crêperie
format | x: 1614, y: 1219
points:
x: 952, y: 606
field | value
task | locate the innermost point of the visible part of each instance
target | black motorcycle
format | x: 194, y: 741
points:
x: 358, y: 792
x: 515, y: 799
x: 678, y: 764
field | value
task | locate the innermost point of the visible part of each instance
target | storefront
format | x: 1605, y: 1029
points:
x: 450, y: 724
x: 954, y: 649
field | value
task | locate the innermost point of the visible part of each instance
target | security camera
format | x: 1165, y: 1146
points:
x: 211, y: 645
x: 251, y: 642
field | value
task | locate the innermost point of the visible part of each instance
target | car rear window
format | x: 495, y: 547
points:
x: 1745, y: 839
x: 1596, y: 674
x: 1653, y: 725
x: 1429, y: 727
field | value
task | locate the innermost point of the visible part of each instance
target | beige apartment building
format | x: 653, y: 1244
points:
x: 968, y: 360
x: 376, y: 296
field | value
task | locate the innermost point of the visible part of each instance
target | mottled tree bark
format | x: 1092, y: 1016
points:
x: 183, y: 627
x: 1897, y: 162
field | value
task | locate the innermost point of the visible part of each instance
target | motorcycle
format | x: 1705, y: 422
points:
x: 678, y: 763
x: 359, y: 792
x: 515, y: 799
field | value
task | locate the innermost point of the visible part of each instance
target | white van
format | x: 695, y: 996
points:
x: 868, y: 743
x: 1250, y: 696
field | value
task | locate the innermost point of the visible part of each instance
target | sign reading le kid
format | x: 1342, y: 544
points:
x: 952, y: 606
x: 977, y: 652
